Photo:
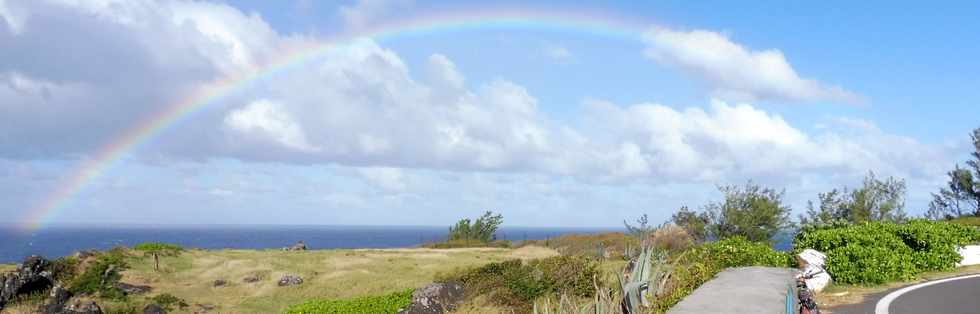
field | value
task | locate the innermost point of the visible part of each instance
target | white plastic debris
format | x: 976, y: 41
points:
x: 812, y: 263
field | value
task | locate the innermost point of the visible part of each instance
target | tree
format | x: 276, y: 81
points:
x: 961, y: 196
x: 157, y: 249
x: 484, y: 229
x: 752, y: 211
x: 875, y: 200
x: 694, y: 223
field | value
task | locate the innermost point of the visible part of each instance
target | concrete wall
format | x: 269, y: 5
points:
x: 755, y: 290
x: 971, y: 255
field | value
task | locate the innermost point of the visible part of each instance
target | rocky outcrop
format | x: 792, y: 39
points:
x: 154, y: 309
x: 290, y: 280
x: 219, y: 283
x: 82, y: 307
x: 55, y: 303
x: 435, y: 298
x: 32, y: 276
x: 299, y: 246
x: 132, y: 289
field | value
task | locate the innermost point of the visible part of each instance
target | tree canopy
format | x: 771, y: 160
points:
x: 961, y: 196
x: 875, y: 200
x: 751, y: 211
x: 483, y: 229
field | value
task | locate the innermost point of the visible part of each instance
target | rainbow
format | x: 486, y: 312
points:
x: 589, y: 23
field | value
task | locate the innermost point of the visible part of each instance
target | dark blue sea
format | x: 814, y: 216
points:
x: 56, y: 241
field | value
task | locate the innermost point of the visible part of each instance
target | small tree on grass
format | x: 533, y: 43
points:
x: 484, y: 229
x: 157, y: 249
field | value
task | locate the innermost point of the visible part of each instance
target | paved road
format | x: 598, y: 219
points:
x: 960, y: 296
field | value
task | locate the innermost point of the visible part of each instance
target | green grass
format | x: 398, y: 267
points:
x: 327, y: 274
x: 969, y: 221
x: 389, y: 303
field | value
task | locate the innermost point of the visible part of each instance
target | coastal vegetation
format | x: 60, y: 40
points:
x: 157, y: 249
x: 388, y: 303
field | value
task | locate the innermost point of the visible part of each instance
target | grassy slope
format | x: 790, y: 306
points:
x: 7, y: 267
x: 326, y: 273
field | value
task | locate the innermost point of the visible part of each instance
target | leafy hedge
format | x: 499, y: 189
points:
x: 517, y: 284
x: 876, y: 252
x: 389, y: 303
x: 701, y: 263
x: 99, y: 279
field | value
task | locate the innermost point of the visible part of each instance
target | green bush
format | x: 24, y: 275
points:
x: 100, y: 278
x: 878, y: 252
x: 389, y: 303
x: 168, y: 301
x: 701, y: 263
x: 63, y: 269
x: 517, y: 284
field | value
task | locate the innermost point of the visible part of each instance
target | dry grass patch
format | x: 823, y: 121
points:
x: 327, y: 274
x: 837, y: 295
x: 7, y: 268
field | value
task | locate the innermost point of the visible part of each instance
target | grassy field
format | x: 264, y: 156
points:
x: 7, y: 267
x: 326, y: 274
x: 836, y: 295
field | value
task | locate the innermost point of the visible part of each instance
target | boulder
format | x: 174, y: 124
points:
x: 32, y: 276
x: 219, y: 283
x: 82, y: 307
x: 290, y: 280
x: 55, y: 303
x: 154, y: 309
x: 299, y: 246
x: 132, y: 289
x: 435, y: 298
x: 203, y: 308
x: 251, y: 278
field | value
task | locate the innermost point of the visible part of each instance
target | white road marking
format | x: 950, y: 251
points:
x: 882, y: 306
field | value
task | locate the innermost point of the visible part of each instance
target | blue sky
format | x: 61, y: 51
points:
x: 551, y: 127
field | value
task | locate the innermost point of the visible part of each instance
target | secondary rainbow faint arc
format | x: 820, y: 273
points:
x: 593, y: 23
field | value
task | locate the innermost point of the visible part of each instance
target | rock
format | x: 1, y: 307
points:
x: 251, y: 278
x: 55, y: 303
x: 132, y: 289
x: 220, y: 283
x: 435, y: 298
x: 290, y: 280
x: 32, y: 276
x: 203, y: 308
x: 153, y: 309
x: 82, y: 307
x: 299, y: 246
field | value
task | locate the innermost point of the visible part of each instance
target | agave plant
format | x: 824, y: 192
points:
x: 644, y: 276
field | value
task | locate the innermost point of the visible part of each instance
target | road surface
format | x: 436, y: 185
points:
x: 958, y: 295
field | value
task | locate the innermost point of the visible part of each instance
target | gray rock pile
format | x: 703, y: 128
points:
x: 299, y: 246
x: 32, y: 276
x: 290, y: 280
x: 436, y: 298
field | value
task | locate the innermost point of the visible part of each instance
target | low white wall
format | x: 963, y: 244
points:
x: 971, y: 255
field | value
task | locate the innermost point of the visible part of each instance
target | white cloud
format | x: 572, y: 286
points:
x: 559, y: 54
x: 363, y: 13
x: 265, y: 118
x: 386, y: 178
x: 735, y: 72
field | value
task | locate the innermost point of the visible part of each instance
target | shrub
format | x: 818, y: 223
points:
x: 389, y: 303
x: 517, y: 284
x: 699, y: 264
x: 878, y: 252
x: 168, y: 301
x: 100, y: 278
x: 63, y: 269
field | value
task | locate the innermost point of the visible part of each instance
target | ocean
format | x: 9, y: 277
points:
x: 56, y: 241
